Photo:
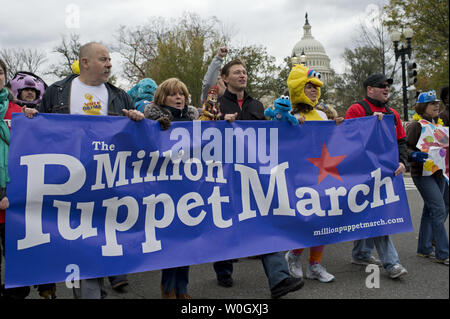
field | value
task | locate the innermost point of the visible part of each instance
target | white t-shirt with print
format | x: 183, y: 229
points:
x: 88, y: 100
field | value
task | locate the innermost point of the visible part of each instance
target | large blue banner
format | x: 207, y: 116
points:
x: 112, y: 196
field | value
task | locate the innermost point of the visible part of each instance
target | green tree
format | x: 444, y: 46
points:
x: 280, y: 84
x: 361, y: 62
x: 185, y: 52
x: 164, y: 49
x: 185, y: 47
x: 429, y: 20
x: 138, y: 46
x: 373, y: 53
x: 263, y: 74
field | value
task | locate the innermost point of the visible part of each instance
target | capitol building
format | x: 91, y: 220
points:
x: 316, y: 57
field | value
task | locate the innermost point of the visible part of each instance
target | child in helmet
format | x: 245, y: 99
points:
x: 28, y: 88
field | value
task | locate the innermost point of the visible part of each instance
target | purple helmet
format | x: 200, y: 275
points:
x: 27, y: 80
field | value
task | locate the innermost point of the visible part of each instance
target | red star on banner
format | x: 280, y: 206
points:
x: 327, y: 164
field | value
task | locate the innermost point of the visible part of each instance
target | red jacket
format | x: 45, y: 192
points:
x: 356, y: 110
x: 12, y: 108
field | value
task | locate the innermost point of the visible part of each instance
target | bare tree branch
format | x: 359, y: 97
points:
x: 17, y: 60
x: 69, y: 49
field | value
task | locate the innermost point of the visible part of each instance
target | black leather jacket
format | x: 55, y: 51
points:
x: 251, y: 109
x: 57, y: 98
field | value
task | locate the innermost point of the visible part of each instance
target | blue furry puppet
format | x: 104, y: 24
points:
x: 281, y: 111
x: 142, y: 93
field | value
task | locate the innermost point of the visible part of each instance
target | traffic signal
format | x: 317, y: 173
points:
x: 412, y: 73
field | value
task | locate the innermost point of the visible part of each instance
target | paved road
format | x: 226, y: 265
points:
x: 425, y: 280
x: 409, y: 184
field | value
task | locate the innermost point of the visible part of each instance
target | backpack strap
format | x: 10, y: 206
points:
x: 366, y: 107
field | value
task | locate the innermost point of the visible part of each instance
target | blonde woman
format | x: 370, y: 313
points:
x: 170, y: 104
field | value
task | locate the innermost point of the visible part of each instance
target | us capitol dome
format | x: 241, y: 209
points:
x: 316, y: 57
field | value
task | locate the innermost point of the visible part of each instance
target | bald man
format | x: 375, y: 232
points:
x: 89, y: 93
x: 95, y: 64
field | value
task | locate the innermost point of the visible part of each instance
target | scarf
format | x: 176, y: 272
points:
x: 376, y: 102
x: 437, y: 120
x: 4, y: 140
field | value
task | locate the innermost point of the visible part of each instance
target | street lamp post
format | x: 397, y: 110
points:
x: 303, y: 58
x: 294, y: 59
x: 402, y: 52
x: 299, y: 60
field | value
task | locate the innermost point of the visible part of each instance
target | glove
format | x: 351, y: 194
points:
x: 420, y: 157
x: 164, y: 122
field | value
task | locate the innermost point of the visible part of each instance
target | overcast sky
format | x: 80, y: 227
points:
x: 275, y: 24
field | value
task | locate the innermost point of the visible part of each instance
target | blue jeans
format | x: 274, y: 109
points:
x: 176, y: 279
x: 94, y: 288
x: 432, y: 226
x: 274, y: 265
x: 446, y: 200
x: 89, y: 289
x: 363, y: 248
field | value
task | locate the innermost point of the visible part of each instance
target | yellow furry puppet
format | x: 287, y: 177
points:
x: 300, y: 75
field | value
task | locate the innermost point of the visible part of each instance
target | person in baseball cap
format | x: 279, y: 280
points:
x: 427, y: 97
x: 377, y: 80
x: 377, y: 89
x: 427, y: 142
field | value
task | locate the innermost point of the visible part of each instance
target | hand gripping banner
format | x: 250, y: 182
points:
x: 113, y: 196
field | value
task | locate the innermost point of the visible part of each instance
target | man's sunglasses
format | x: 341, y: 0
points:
x: 382, y: 86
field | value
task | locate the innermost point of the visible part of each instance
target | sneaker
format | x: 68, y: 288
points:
x: 167, y: 295
x: 366, y: 261
x: 396, y: 271
x: 286, y: 286
x: 430, y: 255
x: 317, y: 271
x: 442, y: 261
x: 294, y: 264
